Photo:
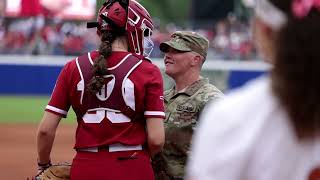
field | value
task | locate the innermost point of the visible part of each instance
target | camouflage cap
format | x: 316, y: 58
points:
x: 187, y: 41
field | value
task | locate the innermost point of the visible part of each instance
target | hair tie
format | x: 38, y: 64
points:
x: 301, y: 8
x: 270, y: 14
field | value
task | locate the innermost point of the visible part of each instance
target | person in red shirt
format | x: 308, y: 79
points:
x: 117, y: 95
x: 30, y: 8
x: 3, y: 5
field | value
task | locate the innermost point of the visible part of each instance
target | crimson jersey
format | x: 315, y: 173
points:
x: 100, y: 126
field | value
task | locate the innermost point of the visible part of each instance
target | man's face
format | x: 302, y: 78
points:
x: 176, y: 62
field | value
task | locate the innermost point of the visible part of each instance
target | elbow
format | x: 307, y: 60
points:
x: 43, y: 133
x: 156, y: 135
x: 157, y: 139
x: 156, y: 143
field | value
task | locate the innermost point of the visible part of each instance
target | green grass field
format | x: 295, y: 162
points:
x: 26, y: 109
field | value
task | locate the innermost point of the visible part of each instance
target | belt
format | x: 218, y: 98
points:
x: 112, y: 148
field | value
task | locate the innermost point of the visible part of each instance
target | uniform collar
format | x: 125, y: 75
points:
x: 189, y: 91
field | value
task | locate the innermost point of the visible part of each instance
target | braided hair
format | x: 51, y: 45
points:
x: 100, y: 64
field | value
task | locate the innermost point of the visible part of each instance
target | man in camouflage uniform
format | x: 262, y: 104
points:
x: 185, y: 54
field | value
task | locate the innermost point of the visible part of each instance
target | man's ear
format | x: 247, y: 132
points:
x: 197, y: 60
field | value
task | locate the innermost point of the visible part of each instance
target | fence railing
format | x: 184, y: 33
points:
x: 36, y: 75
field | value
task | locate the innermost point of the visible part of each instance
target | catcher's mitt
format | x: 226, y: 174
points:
x: 55, y: 172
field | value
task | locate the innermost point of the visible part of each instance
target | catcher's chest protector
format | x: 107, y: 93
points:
x: 114, y: 100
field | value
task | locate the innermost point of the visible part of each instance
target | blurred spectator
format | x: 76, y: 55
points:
x: 221, y: 41
x: 2, y: 8
x: 230, y: 38
x: 73, y: 44
x: 30, y: 8
x: 157, y: 38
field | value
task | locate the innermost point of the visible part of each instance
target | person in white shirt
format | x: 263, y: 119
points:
x: 270, y: 128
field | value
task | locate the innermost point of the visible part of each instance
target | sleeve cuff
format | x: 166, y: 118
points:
x: 154, y: 114
x: 56, y: 111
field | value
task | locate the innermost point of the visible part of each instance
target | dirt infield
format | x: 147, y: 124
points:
x: 18, y: 155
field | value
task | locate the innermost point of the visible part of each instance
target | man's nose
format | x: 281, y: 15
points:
x: 167, y: 56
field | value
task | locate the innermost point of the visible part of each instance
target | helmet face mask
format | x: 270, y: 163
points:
x: 147, y: 42
x: 130, y: 17
x: 139, y: 29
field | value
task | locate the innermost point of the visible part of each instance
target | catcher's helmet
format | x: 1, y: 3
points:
x: 128, y: 16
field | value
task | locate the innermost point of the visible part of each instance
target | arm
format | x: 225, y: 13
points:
x: 155, y: 135
x: 154, y: 110
x: 57, y: 108
x: 45, y: 136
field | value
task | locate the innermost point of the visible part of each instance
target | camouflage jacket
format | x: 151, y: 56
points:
x: 182, y: 112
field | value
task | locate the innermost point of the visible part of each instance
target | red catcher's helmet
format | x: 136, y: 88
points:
x: 128, y: 16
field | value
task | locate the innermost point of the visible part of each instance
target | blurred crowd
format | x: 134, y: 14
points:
x: 39, y: 36
x: 230, y: 39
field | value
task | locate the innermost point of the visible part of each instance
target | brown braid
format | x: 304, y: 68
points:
x: 100, y: 64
